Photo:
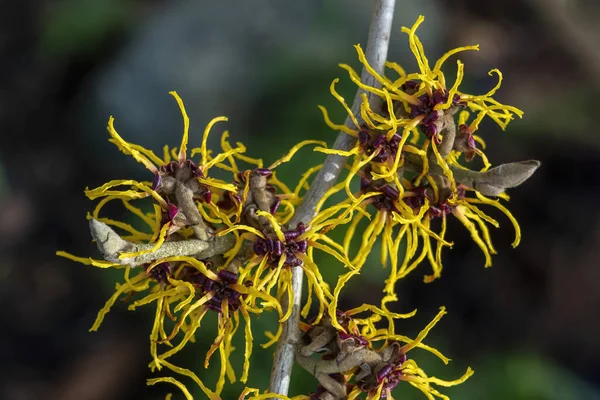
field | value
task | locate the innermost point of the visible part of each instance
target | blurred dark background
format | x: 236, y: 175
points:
x: 527, y: 326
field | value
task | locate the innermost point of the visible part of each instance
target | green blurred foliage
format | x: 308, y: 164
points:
x: 521, y: 375
x: 79, y: 26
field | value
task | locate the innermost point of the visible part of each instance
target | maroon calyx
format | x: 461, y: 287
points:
x: 388, y: 148
x: 274, y: 248
x: 389, y: 195
x: 464, y: 142
x: 174, y: 166
x: 220, y: 289
x: 275, y: 206
x: 156, y: 181
x: 160, y: 272
x: 263, y: 171
x: 410, y: 86
x: 227, y: 276
x: 388, y: 375
x: 182, y: 172
x: 386, y: 200
x: 352, y: 340
x: 420, y: 193
x: 439, y: 209
x: 426, y: 108
x: 364, y: 138
x: 229, y: 200
x: 170, y: 214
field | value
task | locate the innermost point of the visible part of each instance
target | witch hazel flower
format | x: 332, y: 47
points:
x: 219, y: 234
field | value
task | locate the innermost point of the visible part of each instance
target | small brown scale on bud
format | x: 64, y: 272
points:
x: 291, y: 247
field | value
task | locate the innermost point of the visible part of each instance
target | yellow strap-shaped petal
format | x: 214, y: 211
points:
x: 248, y: 348
x: 186, y: 127
x: 343, y: 103
x: 337, y: 127
x: 89, y: 260
x: 332, y: 309
x: 438, y: 65
x: 203, y: 149
x: 181, y: 386
x: 383, y: 80
x: 287, y: 157
x: 127, y: 148
x: 186, y: 372
x: 274, y: 223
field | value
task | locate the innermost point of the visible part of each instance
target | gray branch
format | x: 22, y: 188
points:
x: 376, y: 53
x: 111, y: 245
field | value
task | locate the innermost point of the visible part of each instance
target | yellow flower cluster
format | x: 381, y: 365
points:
x: 195, y: 244
x: 187, y: 205
x: 410, y: 157
x: 367, y: 359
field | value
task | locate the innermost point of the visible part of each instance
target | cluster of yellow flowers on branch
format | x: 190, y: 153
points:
x: 410, y: 154
x: 203, y: 245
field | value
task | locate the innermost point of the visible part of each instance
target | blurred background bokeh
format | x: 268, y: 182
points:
x: 528, y: 326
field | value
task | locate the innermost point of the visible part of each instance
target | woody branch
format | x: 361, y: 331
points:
x: 376, y: 53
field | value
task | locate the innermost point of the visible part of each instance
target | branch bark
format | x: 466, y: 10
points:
x: 376, y: 53
x: 111, y: 245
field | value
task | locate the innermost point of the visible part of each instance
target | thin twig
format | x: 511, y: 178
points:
x: 376, y: 53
